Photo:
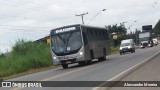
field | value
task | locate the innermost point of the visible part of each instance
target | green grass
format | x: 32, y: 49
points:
x: 114, y: 50
x: 25, y: 55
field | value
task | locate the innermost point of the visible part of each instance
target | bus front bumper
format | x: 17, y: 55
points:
x: 69, y: 60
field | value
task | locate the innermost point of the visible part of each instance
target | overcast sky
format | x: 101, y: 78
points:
x: 33, y: 19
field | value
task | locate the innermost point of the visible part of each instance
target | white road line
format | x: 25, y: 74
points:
x: 113, y: 78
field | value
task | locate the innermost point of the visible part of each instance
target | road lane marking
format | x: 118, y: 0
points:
x: 122, y: 73
x: 60, y: 75
x: 53, y: 77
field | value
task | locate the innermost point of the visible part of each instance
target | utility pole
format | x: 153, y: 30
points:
x: 82, y: 16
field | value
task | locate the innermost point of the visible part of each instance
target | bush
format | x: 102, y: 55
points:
x: 2, y: 55
x: 25, y: 55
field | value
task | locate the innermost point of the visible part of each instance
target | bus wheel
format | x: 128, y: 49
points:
x: 104, y: 56
x: 100, y: 59
x: 132, y: 51
x: 65, y: 66
x: 91, y: 57
x: 89, y: 62
x: 82, y: 63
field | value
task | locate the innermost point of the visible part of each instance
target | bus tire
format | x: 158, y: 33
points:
x: 89, y: 62
x: 91, y: 57
x: 100, y: 59
x: 132, y: 51
x: 104, y: 56
x: 81, y: 63
x: 65, y: 66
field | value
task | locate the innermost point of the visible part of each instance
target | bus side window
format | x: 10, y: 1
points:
x: 95, y: 34
x: 85, y: 40
x: 103, y: 35
x: 88, y: 34
x: 106, y: 35
x: 91, y: 34
x: 100, y: 35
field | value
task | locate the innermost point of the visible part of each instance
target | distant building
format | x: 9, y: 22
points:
x: 45, y: 40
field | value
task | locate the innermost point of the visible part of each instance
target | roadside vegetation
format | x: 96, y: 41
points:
x: 157, y: 28
x: 25, y: 55
x: 114, y: 50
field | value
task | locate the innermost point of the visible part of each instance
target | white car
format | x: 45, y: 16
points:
x: 155, y: 41
x: 127, y: 46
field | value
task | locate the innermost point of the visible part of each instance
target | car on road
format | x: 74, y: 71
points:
x: 155, y: 41
x: 127, y: 45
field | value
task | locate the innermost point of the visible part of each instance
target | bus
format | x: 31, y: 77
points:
x: 79, y: 44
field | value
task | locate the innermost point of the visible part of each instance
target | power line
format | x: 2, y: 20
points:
x: 34, y: 7
x: 42, y: 5
x: 23, y: 29
x: 31, y: 7
x: 25, y: 26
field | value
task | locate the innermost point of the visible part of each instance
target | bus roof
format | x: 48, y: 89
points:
x: 92, y: 26
x: 78, y: 25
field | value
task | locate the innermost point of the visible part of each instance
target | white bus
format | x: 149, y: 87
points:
x: 79, y: 44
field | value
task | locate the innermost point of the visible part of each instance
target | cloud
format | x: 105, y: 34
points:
x: 33, y: 19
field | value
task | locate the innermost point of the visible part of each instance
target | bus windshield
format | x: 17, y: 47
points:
x: 66, y: 43
x: 125, y: 44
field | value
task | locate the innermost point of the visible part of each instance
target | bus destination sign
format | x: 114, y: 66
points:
x: 65, y: 30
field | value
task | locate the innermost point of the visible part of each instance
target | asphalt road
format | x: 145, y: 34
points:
x: 148, y: 72
x: 98, y: 71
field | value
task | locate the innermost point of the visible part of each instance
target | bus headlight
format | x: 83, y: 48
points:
x: 129, y: 47
x: 54, y: 58
x: 81, y: 53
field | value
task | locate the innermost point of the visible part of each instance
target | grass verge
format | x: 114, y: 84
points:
x: 114, y: 50
x: 25, y: 56
x: 31, y: 71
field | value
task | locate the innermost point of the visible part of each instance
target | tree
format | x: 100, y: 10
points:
x: 157, y: 28
x: 119, y: 30
x: 2, y: 55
